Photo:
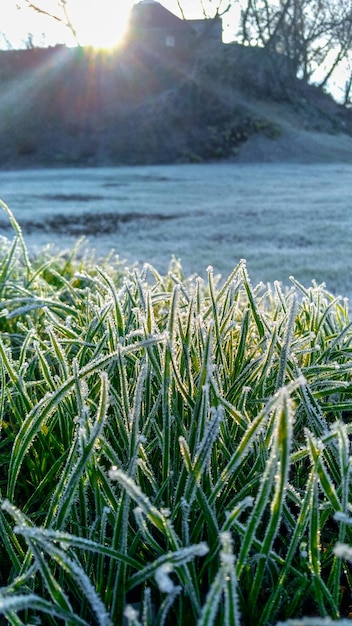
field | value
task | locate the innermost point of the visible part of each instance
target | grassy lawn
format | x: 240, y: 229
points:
x: 173, y: 450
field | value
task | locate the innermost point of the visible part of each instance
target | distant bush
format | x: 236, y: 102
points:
x: 172, y: 451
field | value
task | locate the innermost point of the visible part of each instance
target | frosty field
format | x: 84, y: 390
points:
x: 285, y: 219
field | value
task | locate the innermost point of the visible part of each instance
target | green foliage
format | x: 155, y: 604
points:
x: 171, y: 450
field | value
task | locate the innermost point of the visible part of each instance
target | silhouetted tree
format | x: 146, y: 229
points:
x: 60, y: 12
x: 310, y: 33
x: 210, y: 8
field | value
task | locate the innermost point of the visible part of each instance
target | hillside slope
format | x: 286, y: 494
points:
x: 76, y: 107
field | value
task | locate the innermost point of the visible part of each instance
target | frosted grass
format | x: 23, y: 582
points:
x: 172, y: 450
x: 284, y: 219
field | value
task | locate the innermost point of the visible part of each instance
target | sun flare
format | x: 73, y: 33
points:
x: 102, y: 24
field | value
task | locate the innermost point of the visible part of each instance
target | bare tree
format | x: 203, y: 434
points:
x: 179, y: 4
x: 347, y: 92
x: 340, y: 37
x: 5, y: 43
x: 309, y: 33
x: 60, y: 12
x: 210, y: 8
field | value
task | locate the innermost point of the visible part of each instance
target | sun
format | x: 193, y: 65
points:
x: 103, y: 23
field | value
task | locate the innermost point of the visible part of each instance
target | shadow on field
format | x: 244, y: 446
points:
x: 86, y: 223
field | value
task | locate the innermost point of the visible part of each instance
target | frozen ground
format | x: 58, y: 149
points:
x: 284, y: 218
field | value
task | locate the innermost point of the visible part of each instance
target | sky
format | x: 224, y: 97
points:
x: 99, y: 23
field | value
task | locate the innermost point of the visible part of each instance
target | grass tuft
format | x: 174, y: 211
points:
x: 171, y: 450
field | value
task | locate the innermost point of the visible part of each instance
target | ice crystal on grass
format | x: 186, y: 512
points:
x: 342, y: 517
x: 138, y: 496
x: 343, y: 551
x: 132, y: 615
x: 113, y: 472
x: 162, y: 578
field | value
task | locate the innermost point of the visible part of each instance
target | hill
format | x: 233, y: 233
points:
x: 78, y: 107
